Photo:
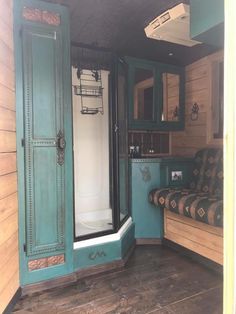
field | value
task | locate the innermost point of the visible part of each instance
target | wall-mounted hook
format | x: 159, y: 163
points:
x: 194, y: 113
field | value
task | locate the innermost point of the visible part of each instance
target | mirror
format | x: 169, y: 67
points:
x: 171, y: 92
x: 143, y: 94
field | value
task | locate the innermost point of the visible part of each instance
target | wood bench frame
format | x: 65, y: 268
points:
x: 196, y: 236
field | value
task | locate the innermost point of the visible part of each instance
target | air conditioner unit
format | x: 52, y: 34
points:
x: 173, y: 26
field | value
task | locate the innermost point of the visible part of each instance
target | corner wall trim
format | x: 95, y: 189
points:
x: 13, y: 301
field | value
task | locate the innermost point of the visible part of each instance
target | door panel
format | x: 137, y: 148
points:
x: 43, y: 113
x: 44, y: 49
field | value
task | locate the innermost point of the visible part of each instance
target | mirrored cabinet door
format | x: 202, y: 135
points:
x: 171, y: 99
x: 156, y: 96
x: 171, y: 105
x: 143, y: 95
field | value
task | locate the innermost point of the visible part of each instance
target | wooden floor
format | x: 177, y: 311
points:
x: 155, y: 280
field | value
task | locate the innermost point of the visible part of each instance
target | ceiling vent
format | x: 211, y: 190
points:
x: 173, y: 26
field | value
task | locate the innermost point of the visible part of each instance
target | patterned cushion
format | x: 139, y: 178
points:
x: 207, y: 163
x: 202, y: 201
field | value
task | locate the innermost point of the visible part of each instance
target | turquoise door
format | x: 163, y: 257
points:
x: 44, y: 131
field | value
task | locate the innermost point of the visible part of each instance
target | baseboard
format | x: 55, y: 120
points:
x: 194, y: 256
x: 13, y: 302
x: 79, y: 274
x: 148, y: 241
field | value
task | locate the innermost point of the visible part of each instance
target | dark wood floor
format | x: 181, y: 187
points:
x: 155, y: 280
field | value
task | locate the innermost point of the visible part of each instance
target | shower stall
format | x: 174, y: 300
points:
x: 99, y: 87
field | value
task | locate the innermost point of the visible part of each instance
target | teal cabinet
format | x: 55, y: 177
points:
x: 147, y: 174
x: 156, y: 95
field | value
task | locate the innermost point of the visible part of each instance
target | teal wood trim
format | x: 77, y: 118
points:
x: 148, y: 219
x: 207, y: 21
x: 157, y: 68
x: 27, y: 277
x: 205, y: 15
x: 148, y: 174
x: 94, y: 255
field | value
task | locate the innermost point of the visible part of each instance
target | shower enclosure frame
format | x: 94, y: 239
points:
x: 114, y: 174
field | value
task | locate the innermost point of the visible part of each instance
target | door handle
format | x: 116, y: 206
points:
x: 61, y: 144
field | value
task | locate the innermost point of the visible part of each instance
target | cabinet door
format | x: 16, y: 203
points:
x: 143, y: 94
x: 45, y: 156
x: 156, y: 96
x: 171, y: 106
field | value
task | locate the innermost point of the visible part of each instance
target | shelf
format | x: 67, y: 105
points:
x: 88, y: 90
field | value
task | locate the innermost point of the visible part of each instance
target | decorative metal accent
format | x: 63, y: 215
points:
x: 175, y: 113
x: 61, y: 144
x: 194, y: 113
x: 146, y: 175
x: 42, y: 16
x: 94, y: 255
x: 46, y: 262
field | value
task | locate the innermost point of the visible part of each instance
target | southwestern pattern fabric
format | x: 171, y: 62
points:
x: 203, y: 199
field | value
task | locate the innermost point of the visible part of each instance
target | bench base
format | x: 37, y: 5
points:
x: 196, y: 236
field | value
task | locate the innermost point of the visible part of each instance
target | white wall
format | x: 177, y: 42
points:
x: 91, y: 153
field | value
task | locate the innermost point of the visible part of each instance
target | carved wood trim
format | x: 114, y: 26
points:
x: 42, y: 16
x: 46, y: 262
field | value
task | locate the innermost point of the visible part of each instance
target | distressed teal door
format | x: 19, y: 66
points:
x: 46, y: 141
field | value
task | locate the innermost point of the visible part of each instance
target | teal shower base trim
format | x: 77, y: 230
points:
x: 104, y: 253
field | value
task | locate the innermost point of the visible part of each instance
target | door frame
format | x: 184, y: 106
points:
x: 27, y: 277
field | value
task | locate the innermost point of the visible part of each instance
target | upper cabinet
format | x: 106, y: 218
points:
x: 156, y: 96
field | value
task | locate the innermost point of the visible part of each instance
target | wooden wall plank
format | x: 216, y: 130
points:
x: 6, y: 55
x: 197, y: 90
x: 7, y: 163
x: 7, y: 16
x: 8, y: 249
x: 7, y: 98
x: 8, y: 227
x: 6, y: 33
x: 9, y: 252
x: 8, y: 185
x: 9, y: 290
x: 8, y: 206
x: 7, y: 77
x: 7, y: 141
x: 7, y: 119
x: 9, y: 270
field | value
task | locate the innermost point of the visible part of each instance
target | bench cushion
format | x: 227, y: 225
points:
x: 198, y: 206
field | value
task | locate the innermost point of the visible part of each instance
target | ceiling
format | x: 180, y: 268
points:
x: 119, y: 25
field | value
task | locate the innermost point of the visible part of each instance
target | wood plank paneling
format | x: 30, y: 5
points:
x: 196, y: 91
x: 7, y: 141
x: 7, y: 163
x: 8, y: 185
x: 7, y: 119
x: 8, y: 206
x: 9, y: 253
x: 7, y: 77
x: 7, y: 98
x: 6, y: 55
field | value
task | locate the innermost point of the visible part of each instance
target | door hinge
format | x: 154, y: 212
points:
x: 24, y: 247
x: 22, y: 142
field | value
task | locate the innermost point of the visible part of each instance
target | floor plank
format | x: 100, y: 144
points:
x: 155, y: 280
